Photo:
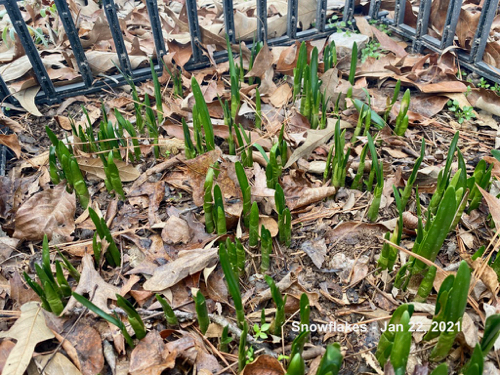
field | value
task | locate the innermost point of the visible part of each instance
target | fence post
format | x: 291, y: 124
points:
x: 451, y: 23
x: 422, y: 25
x: 321, y: 16
x: 156, y: 29
x: 116, y: 32
x: 292, y: 19
x: 194, y: 29
x: 229, y: 20
x: 261, y: 20
x: 482, y: 31
x: 74, y: 41
x: 31, y: 50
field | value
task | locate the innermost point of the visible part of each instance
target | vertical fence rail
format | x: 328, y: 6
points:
x: 422, y: 26
x: 321, y: 16
x: 4, y: 91
x: 194, y: 28
x: 292, y: 19
x: 374, y: 9
x: 229, y: 20
x: 451, y: 23
x: 261, y: 20
x: 30, y: 48
x: 114, y: 25
x: 156, y: 29
x: 485, y: 21
x: 348, y: 11
x: 74, y: 41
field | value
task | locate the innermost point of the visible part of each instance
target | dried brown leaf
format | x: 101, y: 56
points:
x: 11, y: 142
x: 264, y: 364
x: 188, y: 263
x: 387, y: 43
x: 92, y: 284
x: 494, y: 205
x: 95, y: 167
x: 28, y: 330
x: 48, y: 212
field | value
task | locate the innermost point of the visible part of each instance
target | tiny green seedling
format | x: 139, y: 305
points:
x: 462, y: 114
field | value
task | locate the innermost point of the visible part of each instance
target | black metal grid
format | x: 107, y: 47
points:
x: 472, y: 60
x: 89, y: 84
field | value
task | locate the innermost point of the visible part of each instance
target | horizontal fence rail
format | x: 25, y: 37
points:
x: 419, y: 36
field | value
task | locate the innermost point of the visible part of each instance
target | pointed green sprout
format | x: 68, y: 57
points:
x: 245, y: 192
x: 339, y: 158
x: 242, y: 348
x: 235, y: 82
x: 133, y: 317
x: 389, y: 254
x: 208, y: 206
x: 202, y: 114
x: 390, y: 104
x: 157, y: 89
x: 258, y: 109
x: 450, y: 308
x: 284, y: 216
x: 298, y: 70
x: 168, y: 311
x: 253, y: 232
x: 280, y: 302
x: 406, y: 193
x: 297, y: 365
x: 354, y: 61
x: 232, y: 285
x: 393, y: 346
x: 331, y: 362
x: 225, y: 340
x: 113, y: 176
x: 305, y: 310
x: 379, y: 188
x: 113, y: 256
x: 115, y: 320
x: 402, y: 118
x: 201, y: 312
x: 266, y: 248
x: 189, y: 148
x: 219, y: 213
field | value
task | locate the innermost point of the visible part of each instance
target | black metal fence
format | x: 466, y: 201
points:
x: 49, y: 93
x: 472, y: 60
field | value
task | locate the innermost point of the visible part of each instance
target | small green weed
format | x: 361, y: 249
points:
x: 461, y: 114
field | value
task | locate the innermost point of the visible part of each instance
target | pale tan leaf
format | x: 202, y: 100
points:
x: 95, y: 167
x: 263, y: 61
x: 50, y: 212
x: 309, y: 195
x: 29, y: 330
x: 93, y: 284
x: 11, y: 142
x: 281, y: 96
x: 188, y: 263
x: 264, y: 364
x: 11, y: 124
x: 493, y: 204
x: 314, y: 139
x: 27, y: 100
x: 36, y: 161
x: 58, y: 365
x: 64, y: 122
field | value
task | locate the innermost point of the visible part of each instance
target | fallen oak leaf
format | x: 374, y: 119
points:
x: 58, y: 364
x: 93, y: 284
x: 50, y: 212
x: 95, y: 167
x: 188, y: 263
x: 493, y: 204
x: 29, y: 330
x: 11, y: 142
x: 388, y: 44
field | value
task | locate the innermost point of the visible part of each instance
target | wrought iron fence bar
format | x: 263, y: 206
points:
x: 374, y: 9
x: 194, y: 28
x: 451, y: 23
x: 422, y: 25
x: 74, y: 41
x: 229, y: 20
x: 156, y: 29
x: 4, y: 91
x: 292, y: 18
x: 399, y: 12
x: 261, y: 20
x: 114, y: 25
x: 348, y: 10
x: 481, y: 36
x: 321, y: 15
x: 30, y: 48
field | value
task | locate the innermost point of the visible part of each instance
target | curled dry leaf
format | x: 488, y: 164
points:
x: 150, y: 356
x: 95, y: 167
x: 93, y: 284
x: 58, y: 364
x: 11, y: 142
x: 188, y: 263
x: 493, y: 204
x: 64, y: 122
x: 29, y: 330
x: 308, y: 196
x: 264, y: 364
x: 176, y: 230
x: 48, y: 212
x: 11, y: 124
x: 87, y: 343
